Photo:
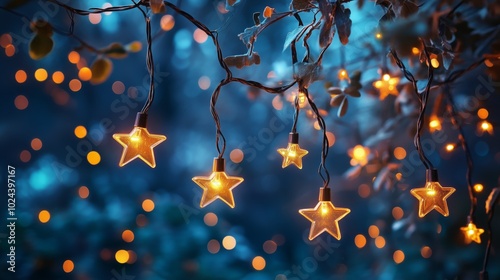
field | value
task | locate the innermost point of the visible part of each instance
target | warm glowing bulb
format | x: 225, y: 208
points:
x: 450, y: 147
x: 485, y: 126
x: 325, y: 216
x: 432, y: 196
x: 359, y: 155
x: 434, y: 123
x: 387, y: 85
x: 218, y: 185
x: 302, y: 99
x: 472, y: 233
x: 378, y: 35
x: 139, y: 143
x: 478, y: 187
x: 343, y: 75
x: 292, y: 154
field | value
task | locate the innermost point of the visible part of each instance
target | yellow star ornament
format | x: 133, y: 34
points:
x: 325, y: 216
x: 293, y: 154
x: 472, y: 233
x: 386, y: 86
x: 139, y: 143
x: 218, y: 185
x: 432, y: 196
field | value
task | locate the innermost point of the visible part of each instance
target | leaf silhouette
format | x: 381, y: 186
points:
x: 293, y: 35
x: 408, y: 8
x: 337, y: 100
x: 40, y: 46
x: 101, y: 69
x: 115, y: 50
x: 343, y: 23
x: 343, y: 108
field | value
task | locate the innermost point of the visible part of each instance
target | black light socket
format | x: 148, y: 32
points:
x: 141, y: 120
x: 325, y: 194
x: 431, y: 175
x: 293, y: 138
x: 219, y: 165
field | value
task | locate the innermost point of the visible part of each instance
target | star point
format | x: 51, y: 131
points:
x: 292, y: 154
x: 472, y: 233
x: 217, y: 186
x: 432, y: 197
x: 324, y: 217
x: 139, y: 143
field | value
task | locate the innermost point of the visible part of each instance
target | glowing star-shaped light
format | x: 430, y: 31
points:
x: 138, y: 144
x: 292, y: 154
x: 432, y: 196
x: 472, y: 233
x: 218, y: 185
x: 386, y: 86
x: 325, y: 216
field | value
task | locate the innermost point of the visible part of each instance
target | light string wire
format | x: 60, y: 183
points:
x: 322, y: 170
x: 149, y: 63
x: 461, y: 138
x: 483, y: 275
x: 422, y: 97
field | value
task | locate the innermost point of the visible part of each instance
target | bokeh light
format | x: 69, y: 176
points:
x: 213, y: 246
x: 68, y: 266
x: 93, y: 157
x: 398, y: 256
x: 360, y: 241
x: 229, y: 242
x: 21, y: 76
x: 128, y: 236
x: 41, y: 74
x: 210, y: 219
x: 148, y: 205
x: 80, y: 131
x: 44, y: 216
x: 259, y: 263
x: 270, y: 247
x: 36, y: 144
x: 21, y: 102
x: 83, y: 192
x: 121, y: 256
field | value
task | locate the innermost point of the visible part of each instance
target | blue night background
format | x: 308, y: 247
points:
x: 81, y: 216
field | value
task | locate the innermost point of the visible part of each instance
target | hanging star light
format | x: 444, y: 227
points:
x: 472, y: 233
x: 325, y: 216
x: 432, y: 196
x: 139, y: 143
x: 292, y: 154
x: 218, y: 185
x: 386, y: 86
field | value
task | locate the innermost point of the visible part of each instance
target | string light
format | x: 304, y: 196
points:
x: 485, y: 126
x: 292, y: 154
x: 218, y: 185
x: 325, y: 216
x: 343, y: 75
x: 432, y: 196
x: 387, y: 85
x: 139, y: 143
x: 359, y: 155
x: 434, y: 124
x: 472, y: 233
x: 450, y: 147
